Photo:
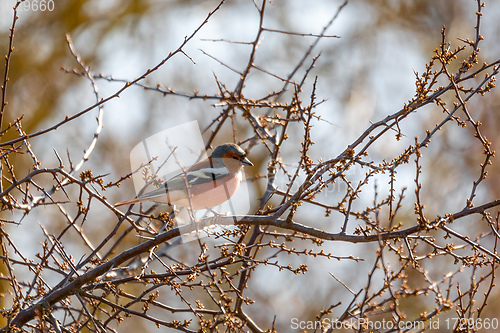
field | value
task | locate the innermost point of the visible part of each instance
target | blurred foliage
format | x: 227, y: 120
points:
x: 38, y: 89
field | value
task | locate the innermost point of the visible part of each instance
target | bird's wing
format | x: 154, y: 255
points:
x: 205, y: 175
x: 191, y: 178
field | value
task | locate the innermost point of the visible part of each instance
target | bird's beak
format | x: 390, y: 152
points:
x: 246, y: 161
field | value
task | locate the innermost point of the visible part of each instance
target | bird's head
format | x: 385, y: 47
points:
x: 232, y: 155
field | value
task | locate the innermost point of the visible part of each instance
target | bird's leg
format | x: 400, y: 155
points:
x: 174, y: 212
x: 216, y: 214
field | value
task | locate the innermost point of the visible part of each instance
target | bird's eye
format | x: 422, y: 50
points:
x: 235, y: 158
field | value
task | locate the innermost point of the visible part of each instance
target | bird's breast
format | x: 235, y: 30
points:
x: 209, y: 194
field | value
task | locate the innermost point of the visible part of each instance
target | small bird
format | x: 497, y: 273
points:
x: 206, y: 184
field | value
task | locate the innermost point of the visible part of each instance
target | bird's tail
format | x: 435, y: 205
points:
x: 129, y: 202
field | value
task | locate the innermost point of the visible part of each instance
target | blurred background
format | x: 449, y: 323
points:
x: 364, y: 75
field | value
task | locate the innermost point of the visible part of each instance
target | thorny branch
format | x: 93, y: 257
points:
x: 215, y: 289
